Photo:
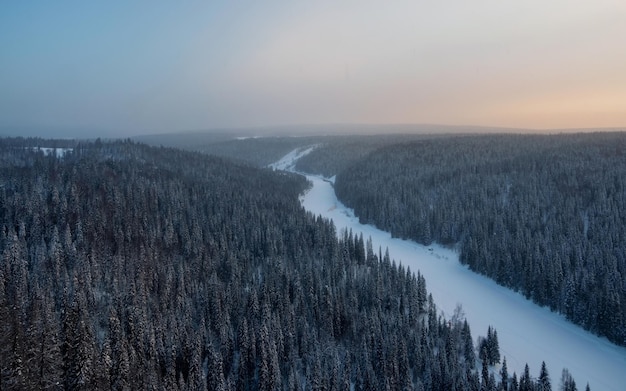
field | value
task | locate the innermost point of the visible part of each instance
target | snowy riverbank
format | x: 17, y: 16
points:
x: 527, y: 333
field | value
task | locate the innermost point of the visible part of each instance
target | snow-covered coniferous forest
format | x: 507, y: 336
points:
x: 126, y: 266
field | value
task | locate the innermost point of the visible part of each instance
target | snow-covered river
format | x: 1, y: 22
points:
x: 527, y: 333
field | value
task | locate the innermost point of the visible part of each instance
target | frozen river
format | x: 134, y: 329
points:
x: 527, y: 333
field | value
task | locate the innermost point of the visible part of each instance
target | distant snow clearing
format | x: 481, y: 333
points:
x: 59, y: 152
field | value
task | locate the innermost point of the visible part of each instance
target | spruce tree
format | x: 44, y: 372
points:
x: 543, y: 383
x: 504, y: 375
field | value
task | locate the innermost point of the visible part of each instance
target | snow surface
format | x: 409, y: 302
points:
x: 288, y: 162
x: 60, y: 152
x: 527, y: 333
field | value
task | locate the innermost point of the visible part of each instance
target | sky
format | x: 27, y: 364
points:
x: 122, y: 68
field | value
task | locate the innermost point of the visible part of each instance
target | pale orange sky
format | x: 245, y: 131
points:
x: 154, y: 68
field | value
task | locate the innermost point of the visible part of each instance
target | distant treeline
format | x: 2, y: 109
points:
x: 129, y: 267
x: 336, y: 154
x: 543, y: 215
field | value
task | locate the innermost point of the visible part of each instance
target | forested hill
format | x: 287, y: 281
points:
x: 336, y: 151
x: 129, y: 267
x: 543, y: 215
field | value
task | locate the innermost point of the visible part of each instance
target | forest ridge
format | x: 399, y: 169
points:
x: 542, y: 215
